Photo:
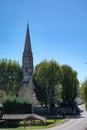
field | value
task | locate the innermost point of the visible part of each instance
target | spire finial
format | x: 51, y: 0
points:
x: 27, y: 22
x: 27, y: 31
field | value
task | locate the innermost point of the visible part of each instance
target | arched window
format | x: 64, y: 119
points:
x: 26, y: 69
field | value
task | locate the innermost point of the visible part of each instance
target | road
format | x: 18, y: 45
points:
x: 75, y: 123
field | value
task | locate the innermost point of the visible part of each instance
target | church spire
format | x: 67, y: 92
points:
x: 27, y: 59
x: 27, y: 48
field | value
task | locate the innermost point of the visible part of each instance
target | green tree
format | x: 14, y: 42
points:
x: 70, y: 85
x: 84, y: 92
x: 10, y: 76
x: 48, y: 77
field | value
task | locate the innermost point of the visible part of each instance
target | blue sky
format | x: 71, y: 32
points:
x: 58, y: 30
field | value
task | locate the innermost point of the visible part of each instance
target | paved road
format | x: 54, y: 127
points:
x: 75, y: 123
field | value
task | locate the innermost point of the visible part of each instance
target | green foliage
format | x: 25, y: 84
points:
x: 49, y: 123
x: 69, y: 85
x: 10, y: 76
x: 14, y: 99
x: 47, y: 78
x: 86, y: 106
x: 84, y: 92
x: 40, y: 91
x: 14, y: 105
x: 55, y: 83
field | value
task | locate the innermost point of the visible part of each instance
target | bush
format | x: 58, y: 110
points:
x: 15, y: 105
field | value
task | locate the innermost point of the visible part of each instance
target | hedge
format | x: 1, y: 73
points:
x: 16, y: 105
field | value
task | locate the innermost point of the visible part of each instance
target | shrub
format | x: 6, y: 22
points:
x: 16, y: 105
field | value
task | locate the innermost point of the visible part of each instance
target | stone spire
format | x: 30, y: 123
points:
x: 27, y: 48
x: 27, y: 59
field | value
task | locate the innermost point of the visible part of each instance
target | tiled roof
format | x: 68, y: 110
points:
x: 23, y: 117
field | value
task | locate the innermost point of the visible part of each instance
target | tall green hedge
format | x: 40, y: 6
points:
x: 15, y: 105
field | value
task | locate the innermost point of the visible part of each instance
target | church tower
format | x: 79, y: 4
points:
x: 27, y: 59
x: 27, y: 89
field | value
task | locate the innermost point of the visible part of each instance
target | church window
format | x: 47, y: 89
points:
x: 26, y: 69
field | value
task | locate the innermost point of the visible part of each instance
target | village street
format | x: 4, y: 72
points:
x: 75, y: 123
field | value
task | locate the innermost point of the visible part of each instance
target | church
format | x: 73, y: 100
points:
x: 26, y: 91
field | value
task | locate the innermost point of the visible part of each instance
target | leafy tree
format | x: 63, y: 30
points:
x: 47, y: 78
x: 84, y: 92
x: 40, y: 92
x: 69, y: 85
x: 10, y: 76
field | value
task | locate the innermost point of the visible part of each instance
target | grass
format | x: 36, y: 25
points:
x: 51, y: 122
